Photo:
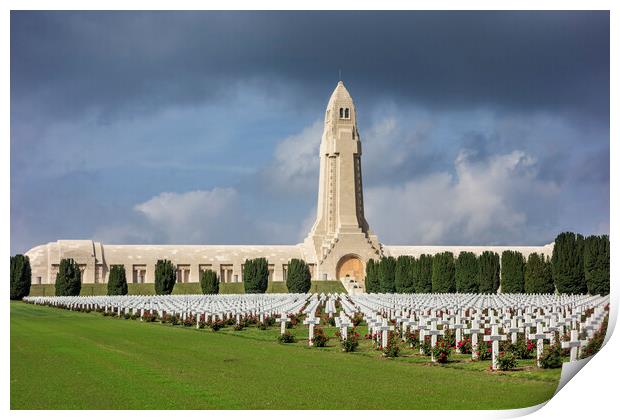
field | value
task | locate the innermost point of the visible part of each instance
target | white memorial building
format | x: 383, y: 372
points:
x: 337, y: 247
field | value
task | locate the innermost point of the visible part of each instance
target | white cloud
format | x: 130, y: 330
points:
x: 483, y: 202
x: 191, y: 216
x: 195, y: 216
x: 296, y: 162
x: 217, y: 216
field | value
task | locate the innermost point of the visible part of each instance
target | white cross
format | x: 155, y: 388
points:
x: 344, y: 324
x: 384, y: 328
x: 434, y: 332
x: 282, y: 320
x: 573, y: 344
x: 474, y: 331
x: 513, y: 330
x: 552, y: 329
x: 311, y: 322
x: 495, y: 337
x: 406, y: 324
x: 458, y: 326
x: 422, y: 336
x: 539, y: 337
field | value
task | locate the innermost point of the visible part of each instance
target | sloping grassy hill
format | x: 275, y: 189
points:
x: 69, y: 360
x: 187, y: 288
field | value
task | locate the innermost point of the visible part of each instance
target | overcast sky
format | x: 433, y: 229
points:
x: 204, y: 127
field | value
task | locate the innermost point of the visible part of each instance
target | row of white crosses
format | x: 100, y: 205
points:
x: 202, y: 307
x: 513, y: 313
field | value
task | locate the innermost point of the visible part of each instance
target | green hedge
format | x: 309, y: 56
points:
x: 387, y: 270
x: 117, y: 281
x: 443, y: 273
x: 21, y: 277
x: 256, y: 275
x: 68, y: 279
x: 466, y: 273
x: 513, y: 265
x: 538, y: 275
x: 596, y: 264
x: 423, y: 274
x: 403, y: 274
x: 371, y: 281
x: 165, y: 277
x: 298, y: 277
x: 488, y: 272
x: 209, y: 282
x: 567, y: 263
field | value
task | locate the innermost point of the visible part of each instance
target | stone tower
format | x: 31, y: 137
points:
x: 340, y: 236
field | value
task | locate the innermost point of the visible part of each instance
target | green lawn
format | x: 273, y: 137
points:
x: 186, y: 288
x: 71, y: 360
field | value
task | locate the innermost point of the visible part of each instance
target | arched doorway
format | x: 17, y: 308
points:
x: 351, y: 268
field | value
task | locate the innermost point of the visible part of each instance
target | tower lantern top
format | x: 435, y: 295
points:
x: 341, y: 105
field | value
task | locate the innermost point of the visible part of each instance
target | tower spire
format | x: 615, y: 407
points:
x: 340, y: 222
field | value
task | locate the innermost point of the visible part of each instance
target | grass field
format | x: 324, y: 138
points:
x: 73, y: 360
x: 186, y: 288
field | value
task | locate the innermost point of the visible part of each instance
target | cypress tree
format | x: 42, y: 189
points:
x: 466, y: 273
x: 443, y: 273
x: 512, y: 279
x: 209, y: 283
x: 299, y: 278
x: 371, y: 282
x: 165, y: 277
x: 387, y: 269
x: 21, y: 277
x: 538, y: 276
x: 403, y: 278
x: 117, y: 282
x: 488, y: 272
x: 69, y: 278
x: 424, y: 274
x: 596, y: 264
x: 413, y: 270
x: 567, y: 263
x: 256, y: 275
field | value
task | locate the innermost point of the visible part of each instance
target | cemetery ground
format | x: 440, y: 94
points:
x: 64, y: 359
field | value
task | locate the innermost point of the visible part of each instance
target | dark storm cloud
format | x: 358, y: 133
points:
x: 132, y: 62
x: 169, y: 126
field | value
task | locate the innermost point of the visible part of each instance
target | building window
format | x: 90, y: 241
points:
x: 341, y: 113
x: 139, y: 273
x: 226, y: 273
x: 346, y: 113
x: 183, y: 272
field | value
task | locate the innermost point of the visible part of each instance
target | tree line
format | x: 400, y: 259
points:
x: 578, y: 265
x: 69, y: 278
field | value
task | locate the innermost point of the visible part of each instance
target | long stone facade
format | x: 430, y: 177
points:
x: 338, y: 246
